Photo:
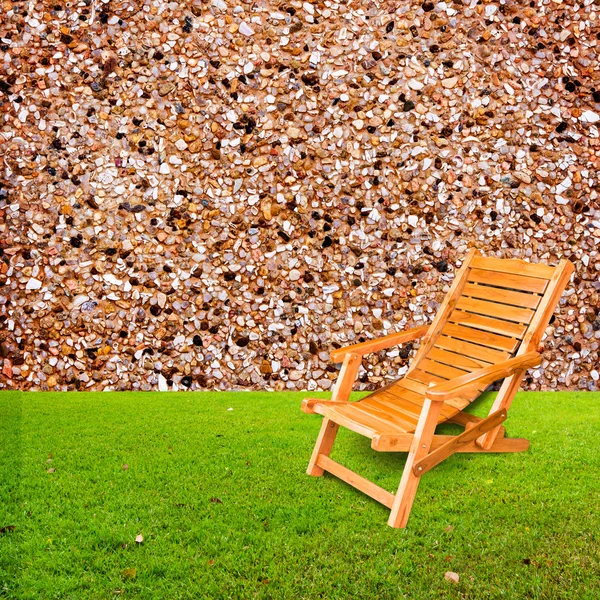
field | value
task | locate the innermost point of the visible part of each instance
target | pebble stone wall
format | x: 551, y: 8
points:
x: 214, y: 194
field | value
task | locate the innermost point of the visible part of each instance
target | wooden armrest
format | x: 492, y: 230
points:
x: 387, y: 341
x: 308, y: 404
x: 476, y: 379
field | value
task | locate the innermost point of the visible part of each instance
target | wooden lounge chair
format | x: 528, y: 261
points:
x: 488, y: 328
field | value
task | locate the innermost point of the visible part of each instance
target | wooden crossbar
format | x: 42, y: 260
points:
x: 402, y: 443
x: 450, y: 447
x: 360, y: 483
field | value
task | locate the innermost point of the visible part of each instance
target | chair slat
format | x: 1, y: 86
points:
x: 405, y: 410
x: 410, y: 409
x: 490, y: 324
x: 494, y: 294
x: 393, y: 396
x: 471, y: 350
x: 380, y: 424
x: 424, y: 377
x: 413, y: 406
x: 513, y: 267
x: 490, y: 340
x: 433, y: 364
x: 334, y: 415
x: 386, y: 413
x: 520, y: 283
x: 491, y: 309
x: 415, y: 386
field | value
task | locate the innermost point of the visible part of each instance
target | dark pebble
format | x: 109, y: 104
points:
x: 408, y: 105
x: 389, y: 27
x: 327, y: 242
x: 310, y: 79
x: 197, y: 340
x: 441, y: 266
x: 186, y: 381
x: 562, y: 126
x: 155, y: 310
x: 76, y: 242
x: 243, y: 341
x: 405, y: 351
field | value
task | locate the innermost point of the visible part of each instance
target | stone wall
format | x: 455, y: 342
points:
x: 214, y: 198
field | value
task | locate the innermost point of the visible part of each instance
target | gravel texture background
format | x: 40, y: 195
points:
x: 213, y: 195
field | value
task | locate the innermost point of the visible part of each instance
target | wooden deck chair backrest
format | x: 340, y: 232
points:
x: 496, y: 309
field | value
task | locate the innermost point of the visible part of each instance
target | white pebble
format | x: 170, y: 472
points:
x: 589, y: 117
x: 180, y: 144
x: 246, y: 29
x: 162, y: 383
x: 413, y: 84
x: 33, y: 284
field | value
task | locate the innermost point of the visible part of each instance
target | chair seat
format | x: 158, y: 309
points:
x: 392, y: 410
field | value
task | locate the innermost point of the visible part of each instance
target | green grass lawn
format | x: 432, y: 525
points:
x: 226, y: 510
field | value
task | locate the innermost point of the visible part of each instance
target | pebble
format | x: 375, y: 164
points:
x: 214, y: 196
x: 33, y: 284
x: 413, y: 84
x: 589, y: 116
x: 246, y: 29
x: 450, y: 82
x: 449, y: 575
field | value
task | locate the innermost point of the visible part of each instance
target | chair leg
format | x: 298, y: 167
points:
x: 323, y: 446
x: 504, y: 399
x: 419, y: 448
